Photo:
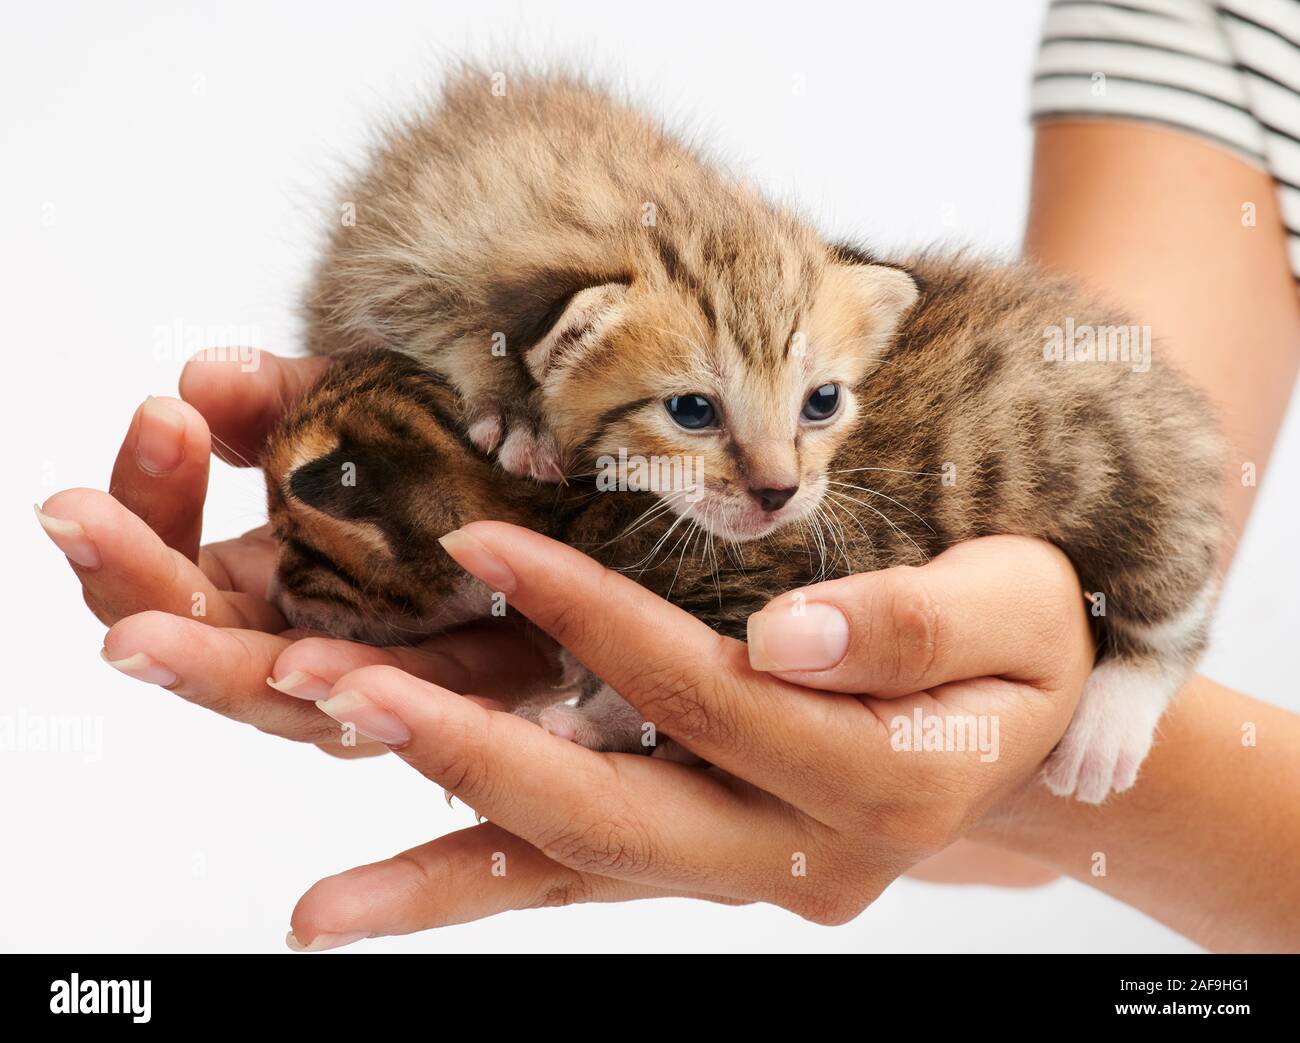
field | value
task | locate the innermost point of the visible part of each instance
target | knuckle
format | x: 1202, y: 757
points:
x: 831, y: 907
x: 98, y: 609
x: 605, y: 845
x: 932, y: 817
x: 574, y: 629
x: 683, y: 702
x: 433, y: 878
x: 916, y: 625
x: 459, y: 768
x: 574, y: 889
x: 431, y: 887
x: 1048, y: 574
x: 464, y: 778
x: 224, y: 704
x: 567, y: 625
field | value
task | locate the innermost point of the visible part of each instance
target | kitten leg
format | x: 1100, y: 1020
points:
x: 511, y: 426
x: 608, y: 723
x: 1123, y: 700
x: 1112, y: 729
x: 530, y: 449
x: 602, y: 721
x: 597, y: 718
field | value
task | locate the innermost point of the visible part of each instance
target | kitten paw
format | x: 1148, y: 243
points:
x: 1111, y: 733
x: 569, y: 722
x: 530, y: 452
x: 485, y: 432
x: 521, y: 442
x: 600, y: 721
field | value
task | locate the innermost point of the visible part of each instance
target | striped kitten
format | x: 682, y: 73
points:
x: 961, y: 425
x: 525, y: 235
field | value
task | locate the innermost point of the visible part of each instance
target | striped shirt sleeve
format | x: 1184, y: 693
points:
x: 1227, y: 72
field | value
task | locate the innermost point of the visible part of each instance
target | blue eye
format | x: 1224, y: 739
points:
x: 822, y: 403
x: 692, y: 412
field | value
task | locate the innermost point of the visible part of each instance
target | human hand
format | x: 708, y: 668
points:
x: 196, y: 619
x: 809, y: 804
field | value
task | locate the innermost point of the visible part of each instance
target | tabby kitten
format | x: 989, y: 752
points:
x: 569, y: 267
x: 962, y: 425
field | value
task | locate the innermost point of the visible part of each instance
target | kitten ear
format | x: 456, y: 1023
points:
x: 586, y: 316
x: 885, y: 293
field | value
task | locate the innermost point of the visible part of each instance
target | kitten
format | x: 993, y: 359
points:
x: 568, y: 267
x: 966, y: 424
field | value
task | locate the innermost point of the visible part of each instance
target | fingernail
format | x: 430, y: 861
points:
x: 802, y: 637
x: 70, y: 538
x: 324, y: 941
x: 301, y: 685
x: 355, y: 709
x: 477, y: 560
x: 160, y: 440
x: 143, y: 668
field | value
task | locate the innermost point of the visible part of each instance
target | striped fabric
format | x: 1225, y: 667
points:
x: 1228, y: 72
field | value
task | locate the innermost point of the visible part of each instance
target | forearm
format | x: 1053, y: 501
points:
x: 1208, y: 841
x: 1153, y: 219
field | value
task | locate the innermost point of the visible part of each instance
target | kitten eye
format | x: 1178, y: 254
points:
x: 692, y: 412
x: 822, y: 403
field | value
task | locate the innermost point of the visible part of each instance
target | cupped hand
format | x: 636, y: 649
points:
x: 196, y: 619
x: 816, y: 799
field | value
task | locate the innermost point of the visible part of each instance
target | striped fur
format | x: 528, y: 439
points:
x: 965, y: 430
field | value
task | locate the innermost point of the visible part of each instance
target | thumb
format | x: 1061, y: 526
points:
x: 1001, y: 606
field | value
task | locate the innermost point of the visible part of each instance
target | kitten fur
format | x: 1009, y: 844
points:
x: 960, y: 428
x: 567, y: 265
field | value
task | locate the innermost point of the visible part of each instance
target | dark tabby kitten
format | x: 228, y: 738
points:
x: 968, y: 426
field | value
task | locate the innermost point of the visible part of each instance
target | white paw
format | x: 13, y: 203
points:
x: 1111, y: 733
x: 529, y: 453
x: 567, y: 722
x: 486, y: 432
x: 603, y: 721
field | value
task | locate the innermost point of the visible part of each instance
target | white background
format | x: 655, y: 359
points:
x: 165, y: 166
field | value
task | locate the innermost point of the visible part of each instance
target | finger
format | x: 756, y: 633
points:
x: 222, y: 670
x: 244, y: 564
x: 125, y: 568
x: 242, y: 394
x: 324, y: 660
x: 659, y: 824
x: 692, y: 684
x: 161, y: 471
x: 495, y: 662
x: 1002, y: 606
x: 464, y: 876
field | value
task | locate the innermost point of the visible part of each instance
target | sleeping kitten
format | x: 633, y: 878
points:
x: 963, y: 425
x: 569, y: 267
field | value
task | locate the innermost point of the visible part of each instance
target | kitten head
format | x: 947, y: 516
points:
x: 726, y: 381
x: 363, y: 476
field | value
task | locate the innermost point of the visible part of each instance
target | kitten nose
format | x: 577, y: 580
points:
x: 774, y: 499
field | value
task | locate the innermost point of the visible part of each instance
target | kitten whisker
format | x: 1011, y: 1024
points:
x: 891, y: 470
x: 230, y: 450
x: 876, y: 492
x: 889, y: 521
